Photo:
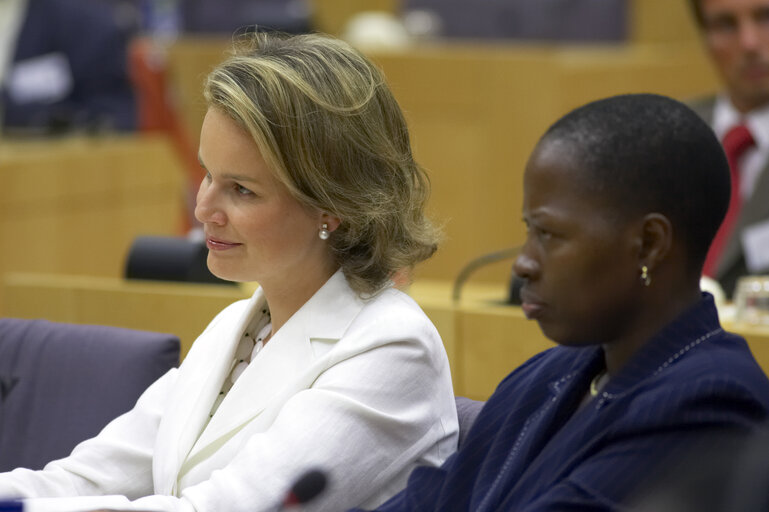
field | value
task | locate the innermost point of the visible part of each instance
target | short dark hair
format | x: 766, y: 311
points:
x: 649, y: 153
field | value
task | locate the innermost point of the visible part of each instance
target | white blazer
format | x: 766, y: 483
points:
x: 358, y: 388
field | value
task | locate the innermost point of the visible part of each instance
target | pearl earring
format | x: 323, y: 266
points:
x: 323, y: 234
x: 645, y: 277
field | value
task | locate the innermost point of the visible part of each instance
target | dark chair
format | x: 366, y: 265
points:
x: 169, y: 258
x: 62, y: 383
x: 724, y: 469
x: 467, y: 411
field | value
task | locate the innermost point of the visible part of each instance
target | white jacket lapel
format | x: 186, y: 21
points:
x: 286, y: 362
x: 204, y: 370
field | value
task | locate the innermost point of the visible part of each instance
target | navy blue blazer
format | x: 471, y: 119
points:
x: 90, y: 36
x: 533, y: 448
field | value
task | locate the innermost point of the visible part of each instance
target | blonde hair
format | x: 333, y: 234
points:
x: 329, y: 128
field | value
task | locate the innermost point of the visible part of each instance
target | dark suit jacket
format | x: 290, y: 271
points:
x: 732, y: 265
x: 89, y: 34
x: 533, y: 448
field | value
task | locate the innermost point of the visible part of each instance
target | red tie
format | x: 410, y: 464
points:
x: 736, y: 141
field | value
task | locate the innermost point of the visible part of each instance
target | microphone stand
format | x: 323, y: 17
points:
x: 477, y: 263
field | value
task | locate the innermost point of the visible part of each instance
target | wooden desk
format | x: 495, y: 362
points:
x: 484, y: 340
x: 179, y: 308
x: 497, y: 340
x: 75, y: 205
x: 488, y: 340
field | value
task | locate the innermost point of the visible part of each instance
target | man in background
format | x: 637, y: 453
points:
x: 736, y: 36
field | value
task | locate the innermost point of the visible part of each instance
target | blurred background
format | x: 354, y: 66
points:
x: 102, y: 107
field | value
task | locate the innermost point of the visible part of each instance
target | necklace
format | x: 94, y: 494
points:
x: 596, y: 384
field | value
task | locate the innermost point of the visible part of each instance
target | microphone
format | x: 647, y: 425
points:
x: 479, y: 262
x: 305, y: 489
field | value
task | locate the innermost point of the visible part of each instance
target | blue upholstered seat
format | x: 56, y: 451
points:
x: 61, y: 383
x: 467, y: 411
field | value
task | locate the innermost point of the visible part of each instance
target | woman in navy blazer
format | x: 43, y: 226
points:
x: 621, y: 200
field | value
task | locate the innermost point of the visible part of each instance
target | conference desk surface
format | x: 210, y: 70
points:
x: 484, y: 338
x: 487, y: 339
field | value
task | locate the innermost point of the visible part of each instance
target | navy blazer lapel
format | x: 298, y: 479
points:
x: 522, y: 444
x: 559, y: 424
x: 694, y: 326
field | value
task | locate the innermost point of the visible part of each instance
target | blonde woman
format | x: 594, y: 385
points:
x: 311, y: 190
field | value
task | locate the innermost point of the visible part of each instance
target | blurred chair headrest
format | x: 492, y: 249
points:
x: 169, y: 259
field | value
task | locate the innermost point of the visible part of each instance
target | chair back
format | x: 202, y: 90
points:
x: 169, y: 258
x: 467, y: 411
x: 60, y: 384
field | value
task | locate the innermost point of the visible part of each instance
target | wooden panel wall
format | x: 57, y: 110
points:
x: 189, y: 62
x: 76, y: 205
x: 331, y: 16
x: 662, y: 21
x: 476, y: 112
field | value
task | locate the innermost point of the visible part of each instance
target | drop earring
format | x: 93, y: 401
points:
x: 645, y: 277
x: 323, y: 234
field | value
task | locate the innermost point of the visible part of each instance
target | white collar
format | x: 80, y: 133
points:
x: 725, y: 116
